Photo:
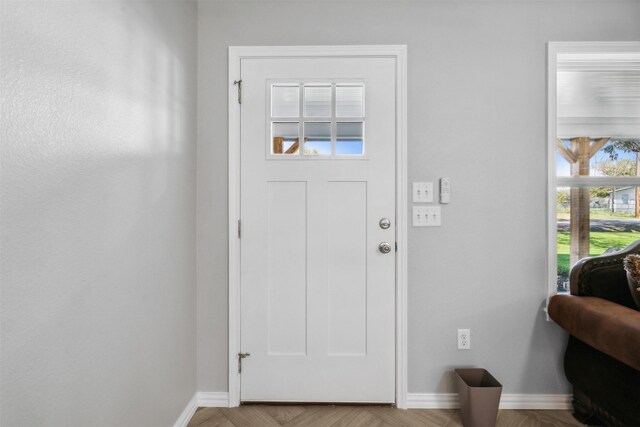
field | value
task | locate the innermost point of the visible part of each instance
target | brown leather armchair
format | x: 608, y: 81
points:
x: 602, y: 360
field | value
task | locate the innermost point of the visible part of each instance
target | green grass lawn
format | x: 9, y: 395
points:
x: 600, y: 241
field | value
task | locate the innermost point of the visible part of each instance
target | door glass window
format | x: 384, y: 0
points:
x: 328, y: 118
x: 349, y: 100
x: 285, y: 101
x: 317, y: 138
x: 349, y: 138
x: 285, y: 139
x: 317, y: 101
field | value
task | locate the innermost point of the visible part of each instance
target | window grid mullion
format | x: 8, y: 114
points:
x: 301, y: 120
x: 333, y: 119
x: 597, y: 181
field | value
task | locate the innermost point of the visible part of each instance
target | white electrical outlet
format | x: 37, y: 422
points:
x: 423, y: 192
x: 464, y: 339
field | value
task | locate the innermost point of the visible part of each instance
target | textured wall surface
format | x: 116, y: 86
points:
x: 477, y: 102
x: 98, y: 212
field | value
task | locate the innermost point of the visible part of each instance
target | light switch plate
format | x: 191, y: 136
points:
x: 423, y: 192
x: 426, y: 216
x: 419, y: 216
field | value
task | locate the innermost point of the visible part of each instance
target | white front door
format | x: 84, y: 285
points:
x: 317, y: 178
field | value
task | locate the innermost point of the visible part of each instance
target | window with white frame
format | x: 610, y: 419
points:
x: 594, y: 152
x: 328, y: 117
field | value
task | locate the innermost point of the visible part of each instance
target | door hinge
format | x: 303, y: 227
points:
x: 239, y: 229
x: 396, y: 246
x: 240, y: 357
x: 239, y: 83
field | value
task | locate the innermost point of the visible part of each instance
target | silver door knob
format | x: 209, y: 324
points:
x: 384, y: 247
x: 385, y: 223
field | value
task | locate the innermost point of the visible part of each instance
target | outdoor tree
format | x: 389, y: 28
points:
x: 627, y: 146
x: 562, y: 198
x: 611, y: 167
x: 624, y: 145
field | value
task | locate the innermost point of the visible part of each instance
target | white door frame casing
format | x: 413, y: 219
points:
x: 399, y: 53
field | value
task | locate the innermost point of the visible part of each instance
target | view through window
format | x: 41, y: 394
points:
x: 597, y: 156
x: 594, y: 218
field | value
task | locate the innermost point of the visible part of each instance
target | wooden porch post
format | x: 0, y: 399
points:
x: 579, y: 217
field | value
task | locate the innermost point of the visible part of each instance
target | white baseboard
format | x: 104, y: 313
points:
x: 507, y: 401
x: 202, y: 399
x: 536, y: 401
x: 188, y: 412
x: 432, y: 401
x: 213, y: 399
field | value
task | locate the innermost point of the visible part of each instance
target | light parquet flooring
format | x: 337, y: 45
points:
x: 362, y: 416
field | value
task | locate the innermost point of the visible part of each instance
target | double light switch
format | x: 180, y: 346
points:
x: 422, y: 192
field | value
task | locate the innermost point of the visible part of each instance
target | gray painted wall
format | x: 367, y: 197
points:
x: 477, y: 103
x: 98, y: 232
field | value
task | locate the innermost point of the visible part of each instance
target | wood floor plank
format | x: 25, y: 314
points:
x: 439, y: 417
x: 282, y: 413
x: 319, y: 416
x: 209, y: 417
x: 249, y: 415
x: 398, y: 417
x: 363, y: 416
x: 259, y: 416
x: 308, y: 413
x: 360, y: 417
x: 529, y: 418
